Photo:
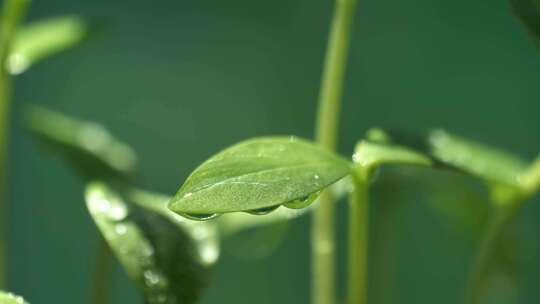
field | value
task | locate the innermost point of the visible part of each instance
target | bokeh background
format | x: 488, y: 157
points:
x: 179, y: 80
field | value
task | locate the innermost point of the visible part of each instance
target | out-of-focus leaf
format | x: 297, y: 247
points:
x: 461, y: 204
x: 477, y: 159
x: 87, y: 146
x: 529, y: 13
x: 259, y: 175
x: 9, y: 298
x: 370, y: 155
x: 41, y: 39
x: 531, y: 178
x: 258, y: 242
x: 168, y: 257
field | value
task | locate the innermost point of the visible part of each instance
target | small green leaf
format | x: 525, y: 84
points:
x: 41, y: 39
x: 480, y: 160
x: 88, y: 146
x: 258, y: 174
x: 529, y: 13
x: 369, y: 155
x: 168, y: 257
x: 9, y: 298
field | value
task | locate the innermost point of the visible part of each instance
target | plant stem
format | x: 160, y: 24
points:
x: 12, y: 14
x: 102, y: 274
x: 499, y: 220
x: 4, y: 100
x: 323, y: 239
x: 358, y: 241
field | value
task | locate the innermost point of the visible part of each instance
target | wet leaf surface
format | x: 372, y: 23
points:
x: 168, y: 257
x: 258, y: 174
x: 87, y: 146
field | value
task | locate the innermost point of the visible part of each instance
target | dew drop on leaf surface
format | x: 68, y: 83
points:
x: 263, y: 211
x: 302, y: 202
x: 200, y: 217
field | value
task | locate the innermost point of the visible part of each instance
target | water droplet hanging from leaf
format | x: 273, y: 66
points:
x: 257, y: 174
x: 302, y: 202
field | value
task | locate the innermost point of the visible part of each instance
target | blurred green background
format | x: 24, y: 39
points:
x: 180, y: 80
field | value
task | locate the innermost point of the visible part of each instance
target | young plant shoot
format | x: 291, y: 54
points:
x: 169, y: 244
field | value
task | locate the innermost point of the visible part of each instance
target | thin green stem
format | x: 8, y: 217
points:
x: 323, y: 231
x: 358, y: 242
x: 12, y: 14
x: 4, y: 100
x: 101, y: 289
x: 499, y: 220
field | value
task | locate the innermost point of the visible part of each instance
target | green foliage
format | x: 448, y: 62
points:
x: 480, y: 160
x: 168, y: 257
x: 261, y: 173
x: 42, y: 39
x: 87, y: 146
x: 369, y: 155
x: 9, y: 298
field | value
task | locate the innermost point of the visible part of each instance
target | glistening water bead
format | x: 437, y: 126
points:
x: 263, y: 211
x: 302, y: 202
x: 200, y: 217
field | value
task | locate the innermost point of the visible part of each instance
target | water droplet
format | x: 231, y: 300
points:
x: 200, y: 217
x: 302, y: 202
x: 17, y: 299
x: 17, y: 64
x: 154, y: 279
x: 208, y: 253
x: 262, y: 211
x: 118, y: 212
x: 187, y: 195
x: 101, y: 205
x: 120, y: 229
x: 316, y: 176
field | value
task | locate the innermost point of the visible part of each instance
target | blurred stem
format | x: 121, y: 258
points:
x: 12, y: 14
x: 501, y: 217
x: 4, y: 99
x: 358, y: 241
x: 102, y: 276
x: 323, y: 230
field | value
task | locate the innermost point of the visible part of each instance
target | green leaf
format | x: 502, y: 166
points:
x: 9, y: 298
x: 477, y: 159
x: 167, y: 256
x: 529, y: 13
x: 42, y: 39
x: 369, y: 155
x: 87, y: 146
x: 257, y: 174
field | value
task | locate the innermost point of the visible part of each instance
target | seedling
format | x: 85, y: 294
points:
x: 168, y: 244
